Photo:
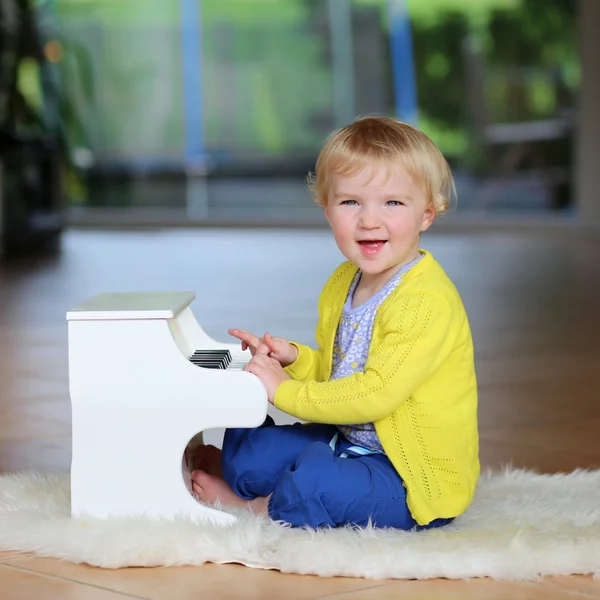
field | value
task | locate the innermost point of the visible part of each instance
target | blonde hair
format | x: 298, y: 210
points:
x: 384, y: 142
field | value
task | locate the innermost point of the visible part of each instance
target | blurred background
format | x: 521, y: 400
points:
x: 163, y: 145
x: 211, y: 112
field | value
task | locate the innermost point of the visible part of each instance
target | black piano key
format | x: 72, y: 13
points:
x: 221, y: 359
x: 202, y: 362
x: 211, y: 359
x: 213, y: 353
x: 214, y: 364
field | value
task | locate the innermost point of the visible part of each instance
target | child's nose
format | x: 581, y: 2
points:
x: 369, y: 219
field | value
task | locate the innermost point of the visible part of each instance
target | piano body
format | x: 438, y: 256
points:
x: 139, y: 393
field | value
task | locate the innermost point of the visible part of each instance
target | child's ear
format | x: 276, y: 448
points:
x: 428, y: 217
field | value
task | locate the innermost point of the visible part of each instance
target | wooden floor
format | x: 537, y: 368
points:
x: 533, y: 302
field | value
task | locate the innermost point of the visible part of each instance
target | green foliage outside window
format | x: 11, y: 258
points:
x: 267, y: 77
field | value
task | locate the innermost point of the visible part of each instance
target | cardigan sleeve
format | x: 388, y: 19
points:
x: 307, y: 365
x: 414, y: 339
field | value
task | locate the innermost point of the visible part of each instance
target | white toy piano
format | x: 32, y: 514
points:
x: 145, y: 379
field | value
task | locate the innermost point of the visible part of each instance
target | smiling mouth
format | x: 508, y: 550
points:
x: 371, y: 246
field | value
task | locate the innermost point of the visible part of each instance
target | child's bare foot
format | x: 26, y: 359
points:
x: 210, y: 488
x: 207, y: 459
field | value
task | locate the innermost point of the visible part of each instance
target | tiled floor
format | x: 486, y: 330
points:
x: 533, y: 304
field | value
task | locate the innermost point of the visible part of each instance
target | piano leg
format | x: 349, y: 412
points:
x: 127, y: 470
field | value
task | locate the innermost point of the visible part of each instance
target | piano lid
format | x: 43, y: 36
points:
x: 131, y: 305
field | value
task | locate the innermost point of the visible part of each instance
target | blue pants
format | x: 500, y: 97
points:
x: 310, y: 483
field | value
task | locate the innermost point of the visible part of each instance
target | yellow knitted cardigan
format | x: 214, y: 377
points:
x: 418, y: 386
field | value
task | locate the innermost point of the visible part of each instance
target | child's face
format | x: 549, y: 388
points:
x: 377, y: 217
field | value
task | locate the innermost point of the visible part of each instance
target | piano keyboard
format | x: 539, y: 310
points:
x: 217, y: 359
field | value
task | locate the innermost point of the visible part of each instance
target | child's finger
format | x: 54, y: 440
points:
x: 262, y: 348
x: 246, y: 337
x: 274, y: 343
x: 253, y: 367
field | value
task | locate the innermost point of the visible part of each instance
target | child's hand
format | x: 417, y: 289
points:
x: 269, y: 371
x: 278, y: 348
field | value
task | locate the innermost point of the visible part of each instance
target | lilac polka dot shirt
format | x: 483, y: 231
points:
x: 351, y: 349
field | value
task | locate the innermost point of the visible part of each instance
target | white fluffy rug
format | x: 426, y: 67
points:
x: 521, y: 525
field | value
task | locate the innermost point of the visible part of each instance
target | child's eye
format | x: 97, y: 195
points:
x: 394, y: 203
x: 349, y: 202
